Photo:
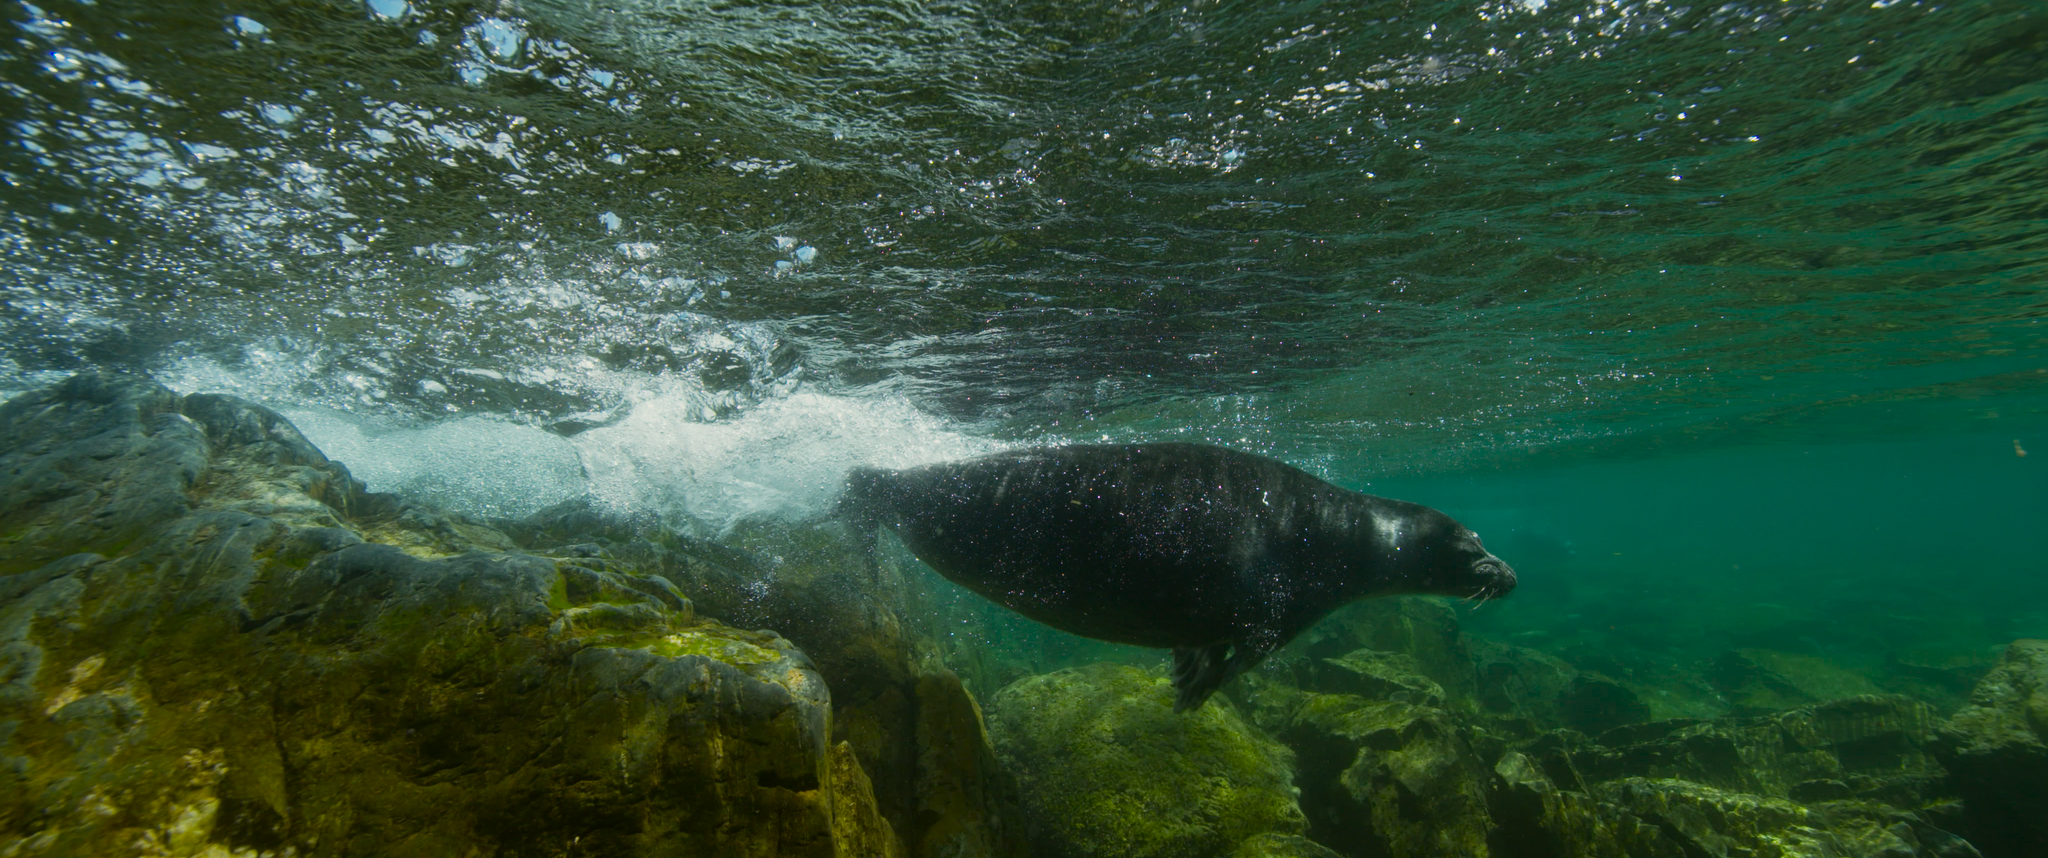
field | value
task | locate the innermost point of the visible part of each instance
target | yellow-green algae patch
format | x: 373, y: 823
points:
x: 711, y: 642
x: 1108, y: 768
x: 558, y: 594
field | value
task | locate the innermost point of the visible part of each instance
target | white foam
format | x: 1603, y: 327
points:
x: 479, y: 465
x: 784, y: 459
x: 671, y: 454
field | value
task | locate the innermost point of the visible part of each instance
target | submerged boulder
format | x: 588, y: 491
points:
x: 1386, y: 777
x: 1423, y: 630
x: 1377, y: 675
x: 1997, y: 750
x: 213, y: 640
x: 1755, y: 681
x: 1670, y: 818
x: 1106, y: 767
x: 1522, y: 683
x: 1872, y: 748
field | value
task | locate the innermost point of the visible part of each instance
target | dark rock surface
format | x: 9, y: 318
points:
x: 1424, y: 630
x: 1997, y: 750
x: 1385, y: 777
x: 213, y: 640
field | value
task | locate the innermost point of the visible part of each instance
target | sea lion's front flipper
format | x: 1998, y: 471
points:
x: 1198, y: 672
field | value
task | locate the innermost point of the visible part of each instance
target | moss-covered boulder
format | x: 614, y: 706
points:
x: 1596, y: 704
x: 1942, y: 675
x: 1873, y: 748
x: 1997, y: 750
x: 213, y: 641
x: 1522, y: 683
x: 1377, y: 675
x: 1381, y: 777
x: 1272, y: 845
x: 1671, y: 818
x: 1755, y: 681
x: 967, y: 806
x: 1425, y: 630
x: 1106, y: 767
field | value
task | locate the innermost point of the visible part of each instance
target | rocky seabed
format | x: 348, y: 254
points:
x: 215, y: 642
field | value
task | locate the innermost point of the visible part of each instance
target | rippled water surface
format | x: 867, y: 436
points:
x: 756, y: 243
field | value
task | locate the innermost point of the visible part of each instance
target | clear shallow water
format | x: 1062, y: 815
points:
x: 1594, y: 274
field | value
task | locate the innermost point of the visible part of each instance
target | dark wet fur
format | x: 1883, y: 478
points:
x: 1221, y: 556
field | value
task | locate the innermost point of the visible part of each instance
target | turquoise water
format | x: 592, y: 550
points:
x: 1723, y: 322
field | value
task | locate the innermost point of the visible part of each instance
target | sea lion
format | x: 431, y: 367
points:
x: 1222, y: 556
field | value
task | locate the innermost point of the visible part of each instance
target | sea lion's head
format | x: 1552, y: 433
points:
x: 1470, y: 571
x: 1438, y: 556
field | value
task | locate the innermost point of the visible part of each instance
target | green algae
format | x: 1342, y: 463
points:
x: 558, y: 593
x: 707, y: 643
x: 237, y: 683
x: 1109, y: 768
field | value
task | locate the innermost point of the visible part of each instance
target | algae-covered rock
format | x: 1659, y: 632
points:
x: 1871, y: 747
x: 1703, y: 820
x: 1595, y: 704
x: 1535, y: 818
x: 1944, y: 676
x: 1389, y: 778
x: 1106, y: 767
x: 1423, y: 629
x: 1272, y: 845
x: 966, y: 805
x: 1671, y: 818
x: 909, y: 724
x: 213, y: 641
x: 1997, y: 750
x: 1760, y: 680
x: 1376, y: 675
x: 1521, y: 682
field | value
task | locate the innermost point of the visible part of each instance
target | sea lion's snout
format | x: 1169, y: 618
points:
x: 1492, y: 578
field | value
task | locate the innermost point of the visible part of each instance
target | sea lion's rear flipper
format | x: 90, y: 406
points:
x: 1199, y: 671
x: 858, y: 507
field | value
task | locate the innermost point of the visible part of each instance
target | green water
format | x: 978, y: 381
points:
x: 1720, y: 321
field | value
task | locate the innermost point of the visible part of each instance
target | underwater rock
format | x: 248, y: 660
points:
x: 1282, y: 846
x: 1389, y: 778
x: 1703, y: 820
x: 1524, y: 683
x: 1755, y: 681
x: 1594, y: 704
x: 1997, y: 750
x: 914, y: 730
x: 1944, y: 676
x: 1871, y: 748
x: 213, y: 640
x: 1106, y: 767
x: 966, y: 804
x: 1669, y: 818
x: 892, y: 700
x: 1376, y: 675
x: 1423, y: 629
x: 1535, y: 818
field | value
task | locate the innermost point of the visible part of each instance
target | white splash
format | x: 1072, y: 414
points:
x: 483, y: 466
x: 785, y: 459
